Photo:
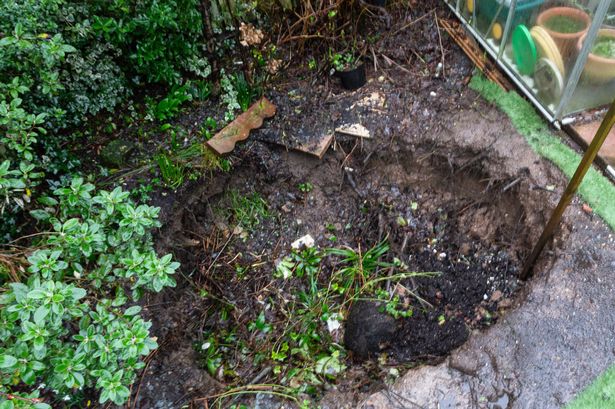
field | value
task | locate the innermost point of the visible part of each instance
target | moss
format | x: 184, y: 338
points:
x: 604, y: 47
x: 565, y: 24
x: 596, y: 189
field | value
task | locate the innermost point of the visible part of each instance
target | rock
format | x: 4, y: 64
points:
x: 267, y: 401
x: 306, y: 241
x: 367, y: 329
x: 116, y: 152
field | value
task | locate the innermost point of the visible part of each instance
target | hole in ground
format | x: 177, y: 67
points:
x: 235, y: 320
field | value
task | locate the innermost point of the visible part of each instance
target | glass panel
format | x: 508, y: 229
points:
x: 488, y: 17
x: 596, y: 86
x: 544, y: 44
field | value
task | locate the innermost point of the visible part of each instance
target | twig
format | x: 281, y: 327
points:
x: 219, y: 252
x: 375, y: 59
x: 391, y: 61
x: 413, y: 22
x: 352, y: 183
x: 511, y: 184
x: 440, y: 41
x: 259, y: 377
x: 149, y: 361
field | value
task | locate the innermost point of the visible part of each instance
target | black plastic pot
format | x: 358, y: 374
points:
x: 353, y: 79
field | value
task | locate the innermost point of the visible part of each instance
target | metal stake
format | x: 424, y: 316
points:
x: 588, y: 158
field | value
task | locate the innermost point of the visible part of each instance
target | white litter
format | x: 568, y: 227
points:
x: 305, y: 241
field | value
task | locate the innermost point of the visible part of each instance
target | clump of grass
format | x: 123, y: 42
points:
x: 293, y: 335
x: 247, y: 210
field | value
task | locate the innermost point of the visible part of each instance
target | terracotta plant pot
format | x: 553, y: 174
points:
x: 566, y: 42
x: 599, y: 69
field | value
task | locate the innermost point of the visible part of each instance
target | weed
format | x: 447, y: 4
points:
x: 200, y: 90
x: 305, y: 187
x: 358, y: 266
x: 260, y: 324
x: 143, y: 190
x: 208, y: 127
x: 170, y: 105
x: 344, y: 61
x: 247, y: 211
x: 172, y: 173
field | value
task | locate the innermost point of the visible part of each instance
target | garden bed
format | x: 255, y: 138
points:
x: 441, y: 208
x: 440, y: 187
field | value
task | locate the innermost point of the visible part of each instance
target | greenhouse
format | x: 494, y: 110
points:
x: 560, y: 53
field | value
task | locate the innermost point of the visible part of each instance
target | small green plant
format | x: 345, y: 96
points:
x: 200, y: 89
x: 237, y: 93
x: 305, y: 187
x: 171, y: 172
x: 344, y: 61
x: 260, y: 324
x: 247, y: 211
x: 169, y: 106
x: 358, y: 266
x: 208, y: 128
x: 604, y: 47
x: 392, y: 305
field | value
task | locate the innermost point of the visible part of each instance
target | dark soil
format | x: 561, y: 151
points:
x: 462, y: 215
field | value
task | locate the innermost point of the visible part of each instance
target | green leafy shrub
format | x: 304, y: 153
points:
x: 62, y: 61
x: 70, y: 326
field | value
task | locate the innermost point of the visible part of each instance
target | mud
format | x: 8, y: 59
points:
x: 473, y: 197
x: 463, y: 225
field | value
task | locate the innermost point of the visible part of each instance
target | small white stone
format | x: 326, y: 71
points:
x: 333, y: 323
x: 433, y: 94
x: 485, y: 297
x: 305, y: 241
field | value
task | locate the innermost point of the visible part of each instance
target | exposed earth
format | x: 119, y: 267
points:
x: 451, y: 186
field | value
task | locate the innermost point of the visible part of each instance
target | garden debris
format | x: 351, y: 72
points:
x: 354, y: 130
x: 238, y: 130
x: 587, y: 208
x: 250, y: 35
x: 473, y: 51
x: 305, y: 241
x: 291, y: 129
x: 375, y: 101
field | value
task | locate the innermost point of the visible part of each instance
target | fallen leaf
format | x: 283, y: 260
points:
x: 587, y: 209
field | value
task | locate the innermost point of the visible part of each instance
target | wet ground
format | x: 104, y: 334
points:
x: 472, y: 198
x: 555, y: 341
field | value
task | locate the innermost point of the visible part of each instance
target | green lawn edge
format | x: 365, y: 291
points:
x: 599, y: 395
x: 596, y: 189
